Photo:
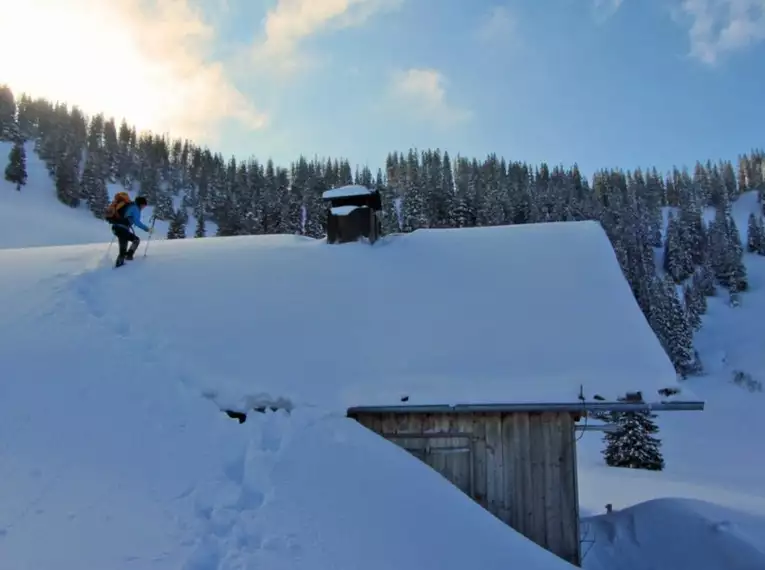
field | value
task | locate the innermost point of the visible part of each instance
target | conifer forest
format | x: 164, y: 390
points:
x: 420, y: 189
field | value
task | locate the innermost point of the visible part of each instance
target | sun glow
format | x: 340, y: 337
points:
x: 114, y: 57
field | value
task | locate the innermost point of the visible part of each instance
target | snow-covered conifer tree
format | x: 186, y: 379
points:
x: 16, y: 171
x: 634, y: 443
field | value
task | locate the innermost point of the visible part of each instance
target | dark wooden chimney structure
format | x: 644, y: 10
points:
x: 353, y: 213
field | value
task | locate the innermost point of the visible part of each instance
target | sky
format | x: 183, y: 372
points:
x: 600, y: 83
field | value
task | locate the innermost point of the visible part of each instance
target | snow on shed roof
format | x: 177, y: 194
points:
x: 343, y: 210
x: 347, y: 191
x: 499, y: 315
x: 515, y: 314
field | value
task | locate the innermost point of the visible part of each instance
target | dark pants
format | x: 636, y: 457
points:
x: 124, y: 235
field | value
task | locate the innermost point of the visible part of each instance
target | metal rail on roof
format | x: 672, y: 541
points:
x: 572, y: 407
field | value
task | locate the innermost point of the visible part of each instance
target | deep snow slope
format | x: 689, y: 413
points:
x: 113, y: 450
x: 33, y: 216
x: 715, y: 456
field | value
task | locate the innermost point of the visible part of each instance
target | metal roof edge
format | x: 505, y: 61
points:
x: 598, y: 406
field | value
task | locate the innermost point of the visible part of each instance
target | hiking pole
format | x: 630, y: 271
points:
x: 108, y: 249
x: 151, y: 233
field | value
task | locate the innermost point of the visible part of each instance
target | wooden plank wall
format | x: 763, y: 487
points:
x: 521, y: 467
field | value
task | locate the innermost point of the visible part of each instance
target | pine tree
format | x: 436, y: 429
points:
x: 177, y: 228
x: 676, y: 262
x: 8, y: 127
x: 705, y: 277
x: 16, y: 171
x: 200, y: 231
x: 669, y: 321
x: 755, y: 235
x: 633, y: 444
x: 93, y: 183
x: 726, y: 252
x: 27, y: 115
x: 67, y: 180
x: 414, y: 201
x: 699, y: 293
x: 693, y: 309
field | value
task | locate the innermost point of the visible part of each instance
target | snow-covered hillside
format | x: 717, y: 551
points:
x: 112, y: 442
x: 715, y: 459
x: 33, y: 217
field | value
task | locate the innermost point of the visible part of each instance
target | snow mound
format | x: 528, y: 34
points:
x: 110, y: 451
x: 667, y: 534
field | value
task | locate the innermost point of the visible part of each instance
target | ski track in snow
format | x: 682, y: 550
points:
x: 231, y: 531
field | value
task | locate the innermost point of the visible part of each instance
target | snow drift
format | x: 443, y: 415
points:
x: 109, y: 449
x: 667, y: 534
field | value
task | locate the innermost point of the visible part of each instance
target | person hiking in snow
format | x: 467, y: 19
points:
x: 123, y: 214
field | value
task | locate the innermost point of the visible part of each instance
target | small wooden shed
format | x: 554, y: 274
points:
x: 353, y: 213
x: 518, y: 461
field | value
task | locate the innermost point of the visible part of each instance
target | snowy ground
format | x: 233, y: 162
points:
x: 109, y: 447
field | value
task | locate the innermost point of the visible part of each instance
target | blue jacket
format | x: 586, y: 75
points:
x: 133, y: 216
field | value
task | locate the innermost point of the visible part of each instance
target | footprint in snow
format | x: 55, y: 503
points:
x: 250, y: 499
x: 206, y: 556
x: 282, y: 543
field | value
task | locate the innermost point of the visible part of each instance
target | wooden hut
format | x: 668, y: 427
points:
x: 353, y: 213
x: 518, y: 461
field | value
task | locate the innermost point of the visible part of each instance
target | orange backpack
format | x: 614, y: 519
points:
x: 113, y: 213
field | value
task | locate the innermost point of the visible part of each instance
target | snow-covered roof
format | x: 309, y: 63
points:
x: 517, y: 314
x: 514, y: 314
x: 347, y: 191
x: 343, y: 210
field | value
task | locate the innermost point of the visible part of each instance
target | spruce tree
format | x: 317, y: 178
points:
x: 16, y: 171
x: 93, y: 183
x: 200, y: 231
x: 705, y: 277
x: 693, y: 309
x: 697, y: 286
x: 669, y: 321
x: 413, y: 210
x: 177, y: 228
x: 67, y: 180
x: 633, y: 444
x: 676, y: 261
x: 755, y: 235
x: 8, y: 127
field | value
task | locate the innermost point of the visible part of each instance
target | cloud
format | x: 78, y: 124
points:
x: 149, y: 63
x: 291, y: 22
x: 606, y: 8
x: 720, y: 27
x: 423, y: 92
x: 499, y: 26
